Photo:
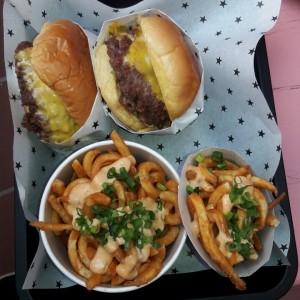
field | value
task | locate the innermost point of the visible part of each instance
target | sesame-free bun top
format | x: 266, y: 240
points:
x: 173, y: 64
x: 61, y: 58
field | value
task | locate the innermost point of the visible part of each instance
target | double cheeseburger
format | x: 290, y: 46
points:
x: 56, y: 80
x: 146, y: 73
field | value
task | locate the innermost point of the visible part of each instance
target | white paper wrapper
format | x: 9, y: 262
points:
x: 236, y: 115
x: 246, y: 268
x: 198, y: 104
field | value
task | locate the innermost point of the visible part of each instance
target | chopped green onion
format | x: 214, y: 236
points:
x: 199, y: 158
x: 189, y: 189
x: 161, y: 187
x: 218, y: 158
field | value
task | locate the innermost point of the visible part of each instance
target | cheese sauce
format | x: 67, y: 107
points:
x: 129, y: 266
x: 80, y: 191
x: 199, y: 180
x: 61, y: 125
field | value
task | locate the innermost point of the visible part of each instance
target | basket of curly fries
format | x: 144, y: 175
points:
x: 109, y: 216
x: 228, y: 212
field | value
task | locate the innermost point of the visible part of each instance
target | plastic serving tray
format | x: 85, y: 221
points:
x: 266, y: 283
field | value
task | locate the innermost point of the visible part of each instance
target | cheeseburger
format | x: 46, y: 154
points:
x: 56, y: 81
x: 146, y: 73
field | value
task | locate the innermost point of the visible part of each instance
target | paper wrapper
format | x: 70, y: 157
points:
x: 236, y: 115
x: 246, y: 268
x: 198, y: 104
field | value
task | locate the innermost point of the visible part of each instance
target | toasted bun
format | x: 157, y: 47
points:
x: 61, y: 59
x: 173, y: 64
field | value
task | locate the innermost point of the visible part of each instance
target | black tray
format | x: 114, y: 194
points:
x: 266, y: 283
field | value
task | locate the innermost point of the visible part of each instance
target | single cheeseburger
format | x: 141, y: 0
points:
x: 56, y: 80
x: 146, y: 73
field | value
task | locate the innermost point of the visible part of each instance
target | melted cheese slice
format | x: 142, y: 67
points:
x: 50, y: 106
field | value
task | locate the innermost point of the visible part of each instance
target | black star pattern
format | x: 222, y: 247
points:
x: 196, y: 144
x: 205, y: 49
x: 33, y: 183
x: 236, y: 72
x: 223, y: 3
x: 270, y: 116
x: 248, y: 152
x: 43, y: 169
x: 189, y: 253
x: 203, y: 19
x: 250, y: 102
x: 19, y: 130
x: 241, y: 121
x: 178, y: 160
x: 95, y: 125
x: 45, y: 266
x: 33, y: 150
x: 44, y: 14
x: 259, y: 4
x: 160, y: 146
x: 26, y: 23
x: 10, y: 32
x: 18, y: 165
x: 198, y: 111
x: 255, y: 85
x: 184, y: 5
x: 266, y: 166
x: 96, y: 13
x: 53, y: 154
x: 80, y: 15
x: 261, y: 133
x: 223, y: 108
x: 251, y: 51
x: 58, y: 284
x: 230, y: 138
x: 239, y: 42
x: 13, y: 97
x: 278, y: 148
x: 211, y: 79
x: 174, y: 271
x: 229, y: 91
x: 274, y: 18
x: 282, y: 212
x: 219, y: 60
x: 238, y: 20
x: 115, y: 10
x: 33, y: 284
x: 252, y: 29
x: 279, y: 262
x: 283, y: 247
x: 212, y: 126
x: 29, y: 2
x: 205, y: 97
x: 218, y: 33
x: 77, y: 142
x: 10, y: 64
x: 140, y: 135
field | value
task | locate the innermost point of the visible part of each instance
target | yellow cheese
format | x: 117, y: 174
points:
x: 138, y: 57
x: 50, y: 106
